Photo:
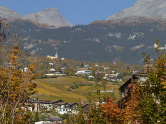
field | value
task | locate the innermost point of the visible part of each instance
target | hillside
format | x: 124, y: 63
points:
x: 99, y: 41
x: 61, y: 88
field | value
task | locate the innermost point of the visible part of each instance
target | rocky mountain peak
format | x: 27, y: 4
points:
x: 146, y: 8
x: 51, y: 9
x: 49, y: 16
x: 8, y: 13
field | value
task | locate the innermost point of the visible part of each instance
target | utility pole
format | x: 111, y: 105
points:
x: 132, y: 100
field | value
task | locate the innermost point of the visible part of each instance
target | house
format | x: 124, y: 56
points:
x: 91, y: 77
x: 38, y: 105
x: 85, y: 107
x: 64, y: 109
x: 67, y: 108
x: 51, y: 64
x: 43, y: 122
x: 25, y: 69
x: 57, y: 103
x: 53, y: 72
x: 55, y: 120
x: 86, y: 66
x: 74, y: 108
x: 126, y: 88
x: 46, y: 105
x: 88, y: 72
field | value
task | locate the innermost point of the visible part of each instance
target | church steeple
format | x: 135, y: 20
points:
x: 56, y: 55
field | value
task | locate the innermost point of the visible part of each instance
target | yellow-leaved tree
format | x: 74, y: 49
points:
x: 16, y: 87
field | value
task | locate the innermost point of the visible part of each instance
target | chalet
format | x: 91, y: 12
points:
x: 57, y: 103
x: 74, y: 108
x: 38, y: 105
x: 85, y: 107
x: 41, y: 104
x: 46, y: 105
x: 125, y: 89
x: 64, y: 109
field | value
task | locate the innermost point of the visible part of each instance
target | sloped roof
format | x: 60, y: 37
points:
x: 58, y: 101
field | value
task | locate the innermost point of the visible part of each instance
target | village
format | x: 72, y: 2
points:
x: 52, y: 111
x: 83, y: 62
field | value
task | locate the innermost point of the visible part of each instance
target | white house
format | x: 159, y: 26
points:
x: 64, y: 109
x: 88, y: 72
x: 25, y: 69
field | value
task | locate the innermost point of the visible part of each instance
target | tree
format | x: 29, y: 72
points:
x: 36, y: 119
x: 93, y: 70
x: 114, y: 114
x: 151, y: 98
x: 58, y: 68
x: 16, y: 87
x: 95, y: 111
x: 82, y: 65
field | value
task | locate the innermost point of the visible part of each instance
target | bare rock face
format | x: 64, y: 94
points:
x: 7, y: 13
x: 146, y: 8
x: 49, y: 16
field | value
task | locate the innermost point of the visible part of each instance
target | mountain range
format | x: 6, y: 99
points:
x: 49, y: 16
x: 122, y: 37
x: 144, y: 8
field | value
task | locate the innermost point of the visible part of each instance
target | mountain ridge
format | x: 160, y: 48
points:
x: 97, y: 42
x: 146, y: 8
x: 49, y: 16
x: 8, y: 13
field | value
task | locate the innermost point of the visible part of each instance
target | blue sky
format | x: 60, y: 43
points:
x: 74, y: 11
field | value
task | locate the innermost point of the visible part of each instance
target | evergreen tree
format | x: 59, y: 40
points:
x: 36, y: 119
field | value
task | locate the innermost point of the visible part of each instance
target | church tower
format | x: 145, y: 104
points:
x: 56, y: 55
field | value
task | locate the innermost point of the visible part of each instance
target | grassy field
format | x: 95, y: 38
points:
x: 69, y: 89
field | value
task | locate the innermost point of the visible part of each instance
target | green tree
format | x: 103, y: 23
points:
x: 82, y: 65
x: 152, y: 100
x: 36, y: 119
x: 93, y: 70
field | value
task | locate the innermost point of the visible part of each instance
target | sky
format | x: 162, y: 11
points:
x: 77, y: 12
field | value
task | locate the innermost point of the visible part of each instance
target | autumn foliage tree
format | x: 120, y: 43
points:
x: 16, y: 87
x: 153, y: 95
x: 149, y: 101
x: 114, y: 114
x: 148, y: 98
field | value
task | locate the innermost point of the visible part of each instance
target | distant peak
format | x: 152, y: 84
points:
x: 49, y: 16
x: 146, y: 8
x: 144, y: 2
x: 8, y: 13
x: 51, y: 9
